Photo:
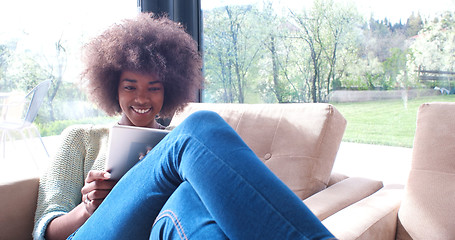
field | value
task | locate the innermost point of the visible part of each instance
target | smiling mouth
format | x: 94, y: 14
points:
x: 141, y: 110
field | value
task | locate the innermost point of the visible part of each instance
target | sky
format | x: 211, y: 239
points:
x: 394, y: 10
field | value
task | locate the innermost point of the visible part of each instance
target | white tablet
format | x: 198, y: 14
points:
x: 126, y: 143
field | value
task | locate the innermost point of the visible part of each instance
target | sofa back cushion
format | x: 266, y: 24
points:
x: 298, y: 142
x: 428, y: 207
x: 17, y: 208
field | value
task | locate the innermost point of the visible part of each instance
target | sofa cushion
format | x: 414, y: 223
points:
x: 340, y: 195
x: 17, y: 209
x: 374, y: 217
x: 298, y: 142
x: 428, y: 207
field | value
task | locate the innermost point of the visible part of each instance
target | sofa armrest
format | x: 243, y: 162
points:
x: 340, y: 195
x: 374, y: 217
x: 336, y: 178
x: 17, y: 208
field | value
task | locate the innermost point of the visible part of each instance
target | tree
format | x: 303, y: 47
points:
x: 380, y: 38
x: 341, y: 22
x: 25, y: 71
x: 277, y: 73
x: 56, y: 70
x: 392, y: 67
x: 270, y: 43
x: 4, y: 55
x: 325, y: 30
x: 254, y: 53
x: 231, y: 50
x: 413, y: 25
x: 434, y: 47
x: 310, y: 32
x: 5, y: 58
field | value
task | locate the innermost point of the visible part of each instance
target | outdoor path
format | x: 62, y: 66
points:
x: 389, y: 164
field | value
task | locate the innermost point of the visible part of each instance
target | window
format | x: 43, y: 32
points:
x: 41, y: 40
x: 376, y: 61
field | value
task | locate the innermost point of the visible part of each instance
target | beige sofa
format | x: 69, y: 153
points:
x: 298, y: 142
x: 425, y: 209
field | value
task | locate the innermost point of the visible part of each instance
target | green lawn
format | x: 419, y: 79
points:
x: 384, y: 122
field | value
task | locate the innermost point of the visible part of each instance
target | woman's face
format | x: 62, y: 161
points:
x: 141, y: 98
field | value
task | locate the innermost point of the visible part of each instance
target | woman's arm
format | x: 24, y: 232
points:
x: 60, y: 187
x: 63, y: 226
x: 97, y: 187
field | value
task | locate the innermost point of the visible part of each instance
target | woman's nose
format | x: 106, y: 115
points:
x: 142, y: 97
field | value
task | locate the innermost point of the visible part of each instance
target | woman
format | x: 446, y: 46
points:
x: 193, y: 184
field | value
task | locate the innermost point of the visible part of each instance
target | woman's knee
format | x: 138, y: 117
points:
x: 184, y: 216
x: 204, y: 116
x: 203, y: 121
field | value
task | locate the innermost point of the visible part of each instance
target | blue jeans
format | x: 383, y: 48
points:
x: 202, y: 182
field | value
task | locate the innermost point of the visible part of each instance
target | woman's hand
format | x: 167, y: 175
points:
x: 142, y: 155
x: 97, y: 187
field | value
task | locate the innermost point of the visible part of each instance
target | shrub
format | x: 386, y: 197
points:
x: 56, y: 127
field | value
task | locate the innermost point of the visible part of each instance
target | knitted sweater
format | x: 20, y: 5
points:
x: 83, y: 148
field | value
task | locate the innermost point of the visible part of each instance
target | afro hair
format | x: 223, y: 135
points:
x: 147, y: 44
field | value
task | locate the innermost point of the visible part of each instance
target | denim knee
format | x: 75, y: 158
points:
x: 203, y: 116
x: 184, y: 216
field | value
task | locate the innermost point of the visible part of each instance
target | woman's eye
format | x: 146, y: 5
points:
x: 155, y: 89
x: 129, y: 88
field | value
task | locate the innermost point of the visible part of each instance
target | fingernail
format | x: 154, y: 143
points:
x: 107, y: 175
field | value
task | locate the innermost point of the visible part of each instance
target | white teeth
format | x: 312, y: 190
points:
x: 141, y: 111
